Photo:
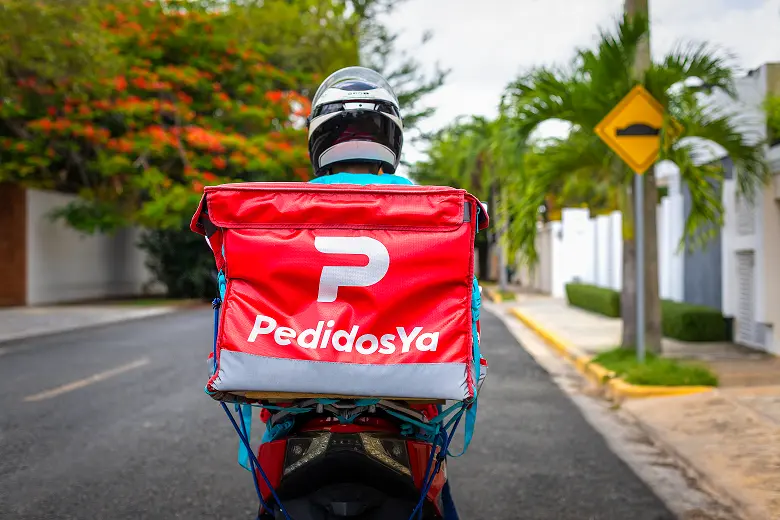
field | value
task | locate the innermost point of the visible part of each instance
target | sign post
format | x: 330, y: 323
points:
x: 639, y: 233
x: 633, y: 131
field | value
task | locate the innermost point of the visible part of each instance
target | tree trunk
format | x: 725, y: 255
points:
x: 628, y: 292
x: 493, y: 236
x: 502, y: 271
x: 653, y: 332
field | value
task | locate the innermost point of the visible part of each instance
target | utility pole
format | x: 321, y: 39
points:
x: 642, y: 63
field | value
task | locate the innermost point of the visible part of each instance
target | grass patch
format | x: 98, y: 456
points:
x: 506, y: 295
x: 656, y: 370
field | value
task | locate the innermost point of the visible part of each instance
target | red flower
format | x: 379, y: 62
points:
x: 219, y: 163
x: 51, y: 111
x: 120, y: 83
x: 184, y: 98
x: 274, y: 95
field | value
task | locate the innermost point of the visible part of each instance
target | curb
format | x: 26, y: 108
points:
x: 6, y: 342
x: 615, y: 388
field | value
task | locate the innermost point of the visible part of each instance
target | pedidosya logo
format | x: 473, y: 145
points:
x: 333, y: 277
x: 343, y: 341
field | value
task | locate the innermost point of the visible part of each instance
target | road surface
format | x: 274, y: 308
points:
x: 112, y: 423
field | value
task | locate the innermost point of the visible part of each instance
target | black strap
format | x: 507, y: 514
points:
x: 467, y: 212
x: 207, y: 224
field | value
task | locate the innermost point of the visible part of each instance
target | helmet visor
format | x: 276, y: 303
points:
x: 354, y: 78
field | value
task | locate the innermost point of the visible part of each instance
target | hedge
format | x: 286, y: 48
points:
x: 688, y: 322
x: 681, y: 321
x: 595, y: 299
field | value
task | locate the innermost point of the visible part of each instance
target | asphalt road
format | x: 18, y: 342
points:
x: 112, y: 424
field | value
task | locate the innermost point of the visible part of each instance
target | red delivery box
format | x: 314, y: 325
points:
x: 343, y: 290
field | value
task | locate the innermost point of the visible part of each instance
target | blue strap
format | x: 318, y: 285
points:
x: 443, y: 414
x: 222, y: 281
x: 215, y: 304
x: 471, y: 410
x: 446, y: 438
x: 245, y: 414
x: 367, y: 402
x: 277, y: 430
x: 257, y: 466
x: 428, y: 427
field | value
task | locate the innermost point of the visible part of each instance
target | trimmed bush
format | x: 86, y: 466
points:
x: 688, y: 322
x: 595, y: 299
x: 681, y: 321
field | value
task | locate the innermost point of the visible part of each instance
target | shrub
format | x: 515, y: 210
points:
x: 688, y: 322
x: 595, y: 299
x: 182, y: 261
x: 682, y: 321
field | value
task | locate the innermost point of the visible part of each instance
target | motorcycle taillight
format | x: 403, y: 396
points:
x: 302, y: 450
x: 390, y: 452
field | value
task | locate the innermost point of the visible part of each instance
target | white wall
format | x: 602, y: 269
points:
x: 557, y: 277
x: 65, y: 265
x: 539, y: 277
x: 671, y: 257
x: 752, y: 228
x: 591, y: 249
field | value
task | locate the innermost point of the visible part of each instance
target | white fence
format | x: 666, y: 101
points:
x: 64, y: 265
x: 591, y: 250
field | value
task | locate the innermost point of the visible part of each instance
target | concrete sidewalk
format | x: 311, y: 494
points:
x: 25, y: 322
x: 729, y: 437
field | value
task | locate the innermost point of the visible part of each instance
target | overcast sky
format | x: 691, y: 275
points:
x: 487, y: 43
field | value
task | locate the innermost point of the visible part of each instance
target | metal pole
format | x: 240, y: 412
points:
x: 642, y: 62
x: 639, y: 224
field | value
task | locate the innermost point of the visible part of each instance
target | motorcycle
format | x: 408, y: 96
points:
x: 346, y: 459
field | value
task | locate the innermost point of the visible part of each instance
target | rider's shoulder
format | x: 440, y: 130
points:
x: 361, y: 178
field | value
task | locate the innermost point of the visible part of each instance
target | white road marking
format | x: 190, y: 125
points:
x: 81, y: 383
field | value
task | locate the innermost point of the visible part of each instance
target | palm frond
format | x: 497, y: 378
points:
x: 716, y: 127
x: 691, y: 60
x: 704, y: 182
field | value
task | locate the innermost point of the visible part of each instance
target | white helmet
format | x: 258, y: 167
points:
x: 355, y: 117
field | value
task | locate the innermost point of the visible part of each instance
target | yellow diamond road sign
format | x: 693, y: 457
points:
x: 633, y: 129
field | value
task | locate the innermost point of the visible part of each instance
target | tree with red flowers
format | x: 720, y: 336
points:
x: 161, y: 98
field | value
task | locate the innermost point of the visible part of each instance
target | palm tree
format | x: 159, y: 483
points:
x: 483, y: 156
x: 772, y: 106
x: 582, y: 94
